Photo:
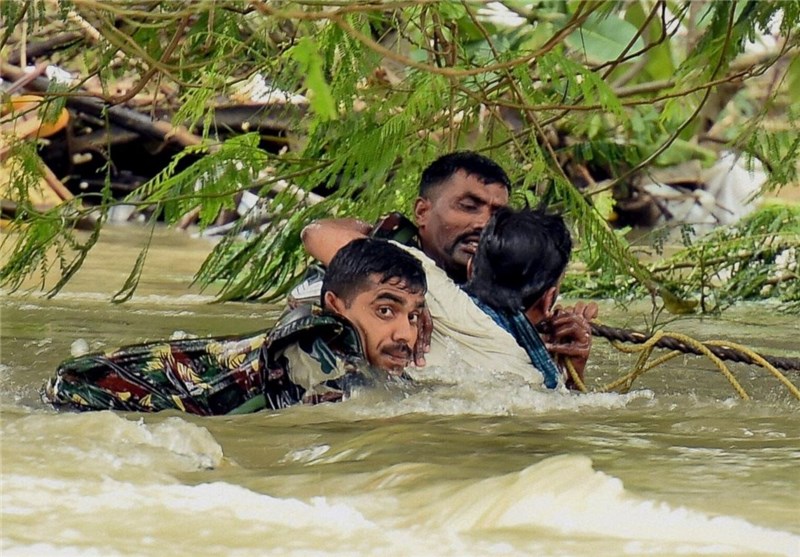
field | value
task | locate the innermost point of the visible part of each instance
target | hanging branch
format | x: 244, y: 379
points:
x: 119, y: 115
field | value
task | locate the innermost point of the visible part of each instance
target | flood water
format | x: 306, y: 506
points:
x: 466, y: 463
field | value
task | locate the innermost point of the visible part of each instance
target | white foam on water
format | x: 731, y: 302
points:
x: 89, y: 513
x: 463, y: 390
x: 310, y: 454
x: 109, y: 517
x: 172, y: 300
x: 225, y: 500
x: 109, y: 501
x: 79, y: 347
x: 565, y: 494
x: 50, y: 550
x: 102, y: 442
x: 13, y: 389
x: 164, y: 313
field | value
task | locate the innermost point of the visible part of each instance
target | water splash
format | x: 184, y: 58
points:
x: 464, y: 390
x: 564, y: 493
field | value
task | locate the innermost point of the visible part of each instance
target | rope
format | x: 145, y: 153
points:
x: 763, y: 363
x: 576, y: 378
x: 714, y: 350
x: 626, y: 381
x: 722, y: 350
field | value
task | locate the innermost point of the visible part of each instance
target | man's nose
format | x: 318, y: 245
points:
x: 404, y: 331
x: 482, y: 218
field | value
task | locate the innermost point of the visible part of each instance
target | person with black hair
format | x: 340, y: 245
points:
x: 522, y: 255
x: 381, y: 291
x: 372, y: 297
x: 515, y: 277
x: 463, y: 333
x: 458, y: 194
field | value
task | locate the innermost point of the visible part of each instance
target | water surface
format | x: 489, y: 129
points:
x: 468, y: 462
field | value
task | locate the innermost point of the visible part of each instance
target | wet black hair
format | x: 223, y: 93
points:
x: 350, y: 269
x: 475, y: 164
x: 520, y: 255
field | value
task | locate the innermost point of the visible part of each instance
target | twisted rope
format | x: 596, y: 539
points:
x: 715, y: 350
x: 723, y: 350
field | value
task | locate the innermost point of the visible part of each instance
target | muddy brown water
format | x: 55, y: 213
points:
x: 466, y: 463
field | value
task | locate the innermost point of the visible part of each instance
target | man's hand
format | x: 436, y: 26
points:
x: 423, y: 345
x: 571, y: 335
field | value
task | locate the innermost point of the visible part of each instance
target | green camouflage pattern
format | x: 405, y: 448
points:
x: 218, y: 375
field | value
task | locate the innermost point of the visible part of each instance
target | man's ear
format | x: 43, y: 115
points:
x: 548, y: 300
x: 543, y: 307
x: 334, y: 303
x: 422, y: 208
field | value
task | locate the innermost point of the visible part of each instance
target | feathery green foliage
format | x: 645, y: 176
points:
x: 731, y: 263
x: 567, y: 89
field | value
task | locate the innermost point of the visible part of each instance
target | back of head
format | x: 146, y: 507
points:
x: 354, y: 266
x: 520, y: 255
x: 475, y: 164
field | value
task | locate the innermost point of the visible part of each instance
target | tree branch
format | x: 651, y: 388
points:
x: 123, y: 117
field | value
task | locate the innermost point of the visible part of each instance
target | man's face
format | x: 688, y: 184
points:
x: 451, y: 219
x: 386, y: 316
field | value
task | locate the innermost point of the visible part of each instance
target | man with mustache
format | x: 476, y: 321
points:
x: 458, y: 194
x: 469, y: 327
x: 372, y: 295
x: 383, y: 301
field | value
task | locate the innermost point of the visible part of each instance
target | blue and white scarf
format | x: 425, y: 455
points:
x: 526, y: 336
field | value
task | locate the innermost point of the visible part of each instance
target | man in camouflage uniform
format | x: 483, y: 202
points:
x: 372, y: 295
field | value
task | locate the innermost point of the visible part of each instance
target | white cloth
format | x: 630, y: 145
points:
x: 463, y: 334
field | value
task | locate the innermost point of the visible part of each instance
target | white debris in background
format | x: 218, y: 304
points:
x: 255, y: 89
x: 60, y: 76
x: 727, y: 194
x: 247, y: 202
x: 764, y: 43
x: 785, y: 269
x: 497, y: 14
x: 734, y: 186
x: 787, y: 260
x: 121, y: 213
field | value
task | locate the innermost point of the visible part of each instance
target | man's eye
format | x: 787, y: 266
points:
x: 413, y: 318
x: 469, y: 206
x: 385, y: 311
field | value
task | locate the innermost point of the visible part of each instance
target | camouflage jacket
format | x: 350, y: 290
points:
x: 308, y: 357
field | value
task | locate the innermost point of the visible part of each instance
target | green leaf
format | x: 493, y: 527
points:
x: 126, y: 292
x: 681, y: 150
x: 451, y: 10
x: 660, y: 63
x: 305, y: 53
x: 603, y: 40
x: 604, y: 204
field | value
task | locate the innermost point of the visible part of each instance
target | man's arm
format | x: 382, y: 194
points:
x: 323, y: 238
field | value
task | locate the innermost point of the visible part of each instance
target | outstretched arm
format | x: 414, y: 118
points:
x: 323, y: 238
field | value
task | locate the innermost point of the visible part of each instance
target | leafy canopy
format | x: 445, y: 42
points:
x: 572, y: 98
